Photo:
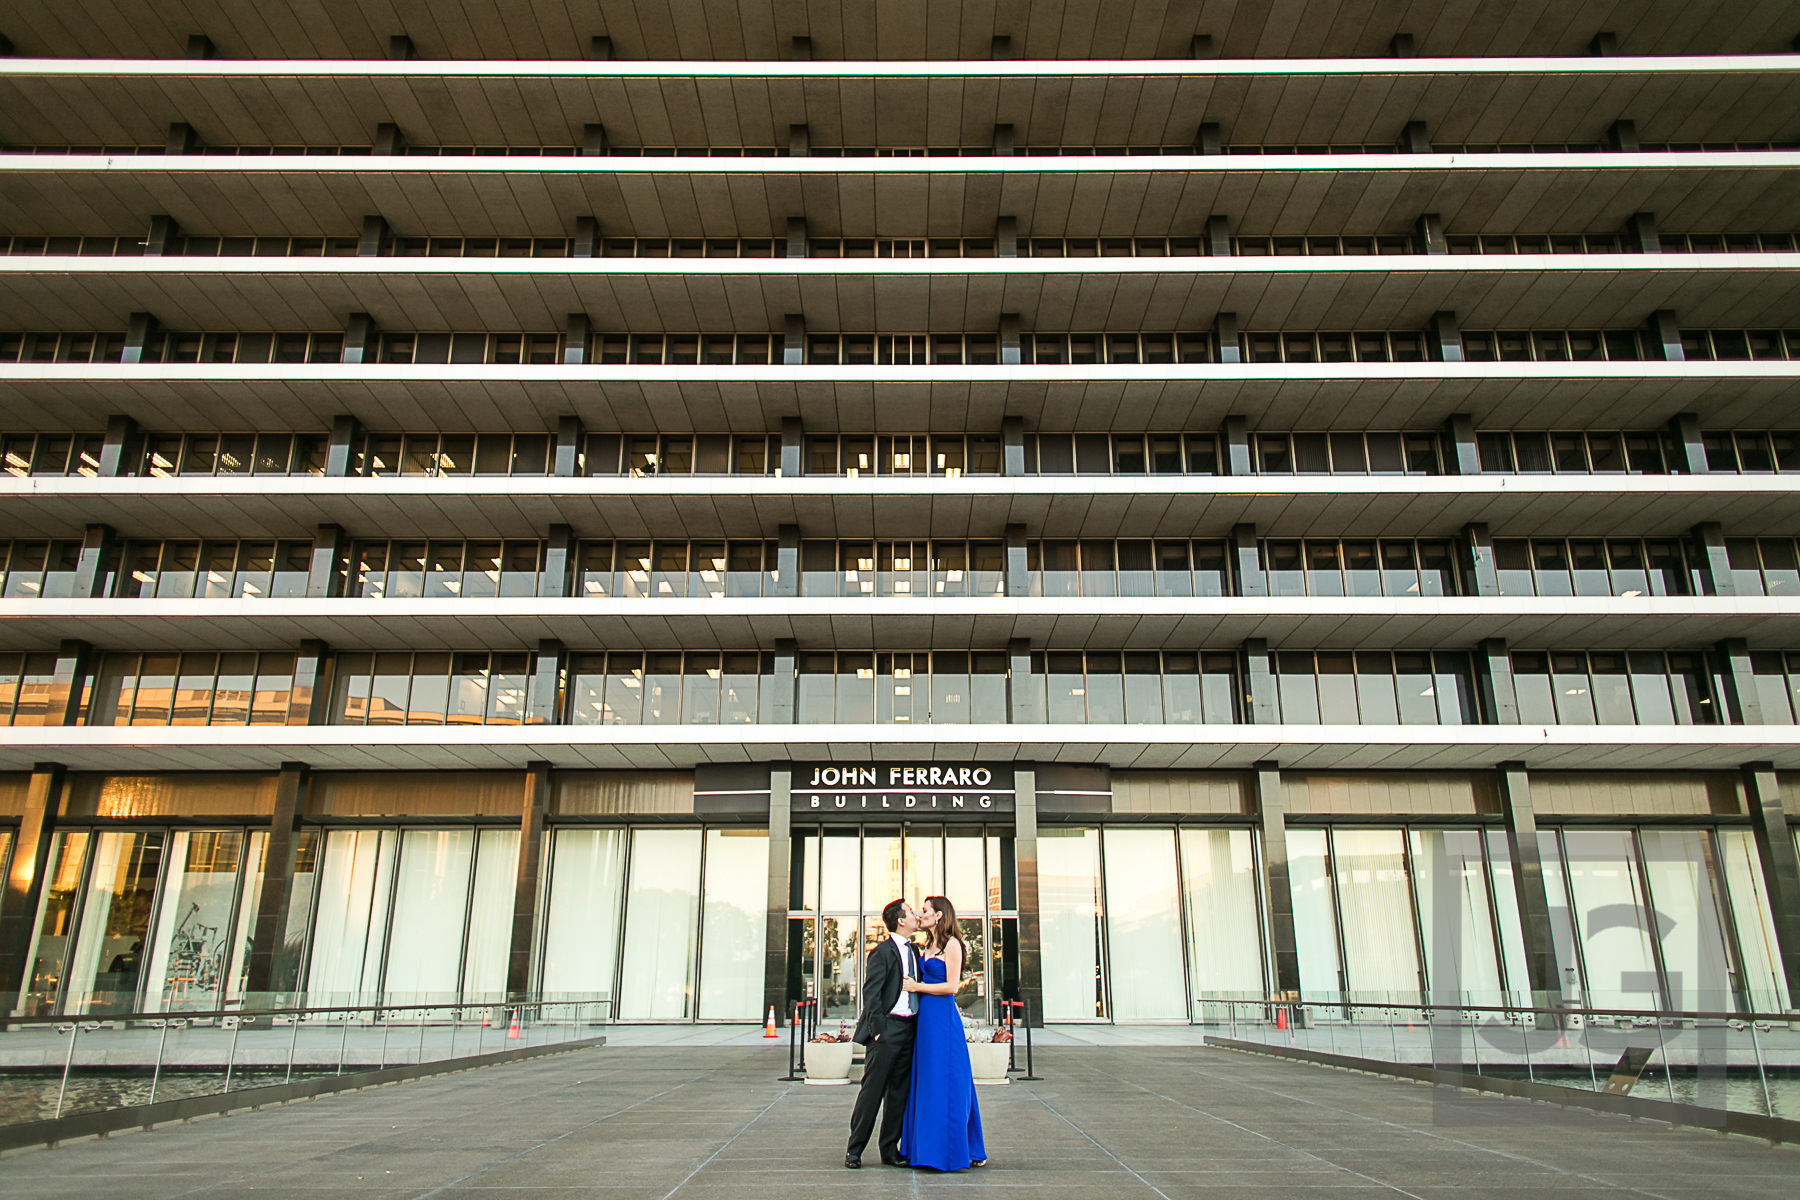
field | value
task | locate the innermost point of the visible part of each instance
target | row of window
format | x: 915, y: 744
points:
x: 987, y: 151
x: 818, y: 247
x: 1330, y: 687
x: 919, y: 349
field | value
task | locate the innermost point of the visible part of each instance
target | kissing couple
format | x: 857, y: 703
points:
x: 916, y: 1059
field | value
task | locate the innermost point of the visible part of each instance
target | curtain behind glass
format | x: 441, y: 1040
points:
x: 661, y: 907
x: 350, y: 931
x: 1218, y: 869
x: 490, y: 914
x: 431, y: 900
x: 734, y: 932
x: 1683, y: 888
x: 1755, y: 921
x: 1455, y: 918
x: 1380, y: 948
x: 581, y: 925
x: 1315, y: 923
x: 1069, y: 923
x: 189, y: 954
x: 110, y: 947
x: 1612, y: 919
x: 1143, y: 925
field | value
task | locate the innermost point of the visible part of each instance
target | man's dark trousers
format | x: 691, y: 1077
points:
x: 887, y: 1073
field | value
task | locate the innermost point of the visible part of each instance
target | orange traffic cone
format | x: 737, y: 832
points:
x: 512, y: 1033
x: 1281, y: 1017
x: 484, y: 1017
x: 769, y: 1024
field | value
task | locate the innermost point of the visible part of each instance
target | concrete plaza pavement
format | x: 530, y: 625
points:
x: 651, y: 1121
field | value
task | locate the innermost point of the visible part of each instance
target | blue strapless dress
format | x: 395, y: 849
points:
x: 943, y: 1122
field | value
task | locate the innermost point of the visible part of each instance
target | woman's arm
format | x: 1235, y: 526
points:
x: 952, y: 972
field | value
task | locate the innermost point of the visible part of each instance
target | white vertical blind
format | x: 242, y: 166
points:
x: 431, y: 899
x: 581, y: 926
x: 1218, y: 869
x: 1143, y: 925
x: 490, y: 914
x: 350, y: 931
x: 661, y: 915
x: 1069, y: 923
x: 1380, y: 948
x: 735, y: 934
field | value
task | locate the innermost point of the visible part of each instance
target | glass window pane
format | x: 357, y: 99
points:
x: 430, y: 900
x: 1450, y: 879
x: 115, y: 920
x: 581, y: 929
x: 1225, y: 951
x: 489, y: 949
x: 923, y: 868
x: 661, y: 911
x: 1069, y: 899
x: 1612, y: 919
x: 731, y: 964
x: 1683, y: 880
x: 1757, y: 945
x: 56, y: 912
x: 189, y: 952
x: 1376, y: 903
x: 350, y: 929
x: 1143, y: 925
x: 1315, y: 924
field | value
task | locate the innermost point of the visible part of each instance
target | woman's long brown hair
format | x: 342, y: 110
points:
x: 946, y: 927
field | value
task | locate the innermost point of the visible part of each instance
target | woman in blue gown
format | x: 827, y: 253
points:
x: 943, y: 1122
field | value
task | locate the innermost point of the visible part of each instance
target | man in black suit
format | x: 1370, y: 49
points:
x: 885, y: 1030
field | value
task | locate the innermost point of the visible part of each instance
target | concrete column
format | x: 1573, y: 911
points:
x: 545, y: 698
x: 787, y: 561
x: 1234, y: 438
x: 1208, y: 140
x: 593, y: 141
x: 1493, y: 671
x: 781, y: 710
x: 559, y: 548
x: 577, y: 338
x: 376, y: 238
x: 388, y: 139
x: 362, y: 339
x: 775, y: 960
x: 1246, y: 562
x: 796, y: 237
x: 329, y: 543
x: 535, y: 803
x: 1445, y: 337
x: 340, y: 451
x: 793, y: 341
x: 1006, y: 237
x: 25, y: 878
x: 1542, y: 977
x: 1009, y: 339
x: 96, y: 548
x: 1641, y: 235
x: 123, y: 448
x: 182, y: 139
x: 1414, y: 139
x: 793, y: 448
x: 1461, y: 454
x: 309, y: 703
x: 1018, y: 573
x: 1709, y: 541
x: 1666, y: 335
x: 1428, y: 235
x: 1284, y: 950
x: 1225, y: 337
x: 1003, y: 141
x: 1025, y: 864
x: 1260, y: 706
x: 1012, y: 446
x: 271, y: 919
x: 571, y: 439
x: 1742, y: 704
x: 799, y: 141
x: 1780, y: 868
x: 1690, y: 447
x: 141, y: 329
x: 1480, y: 577
x: 164, y: 233
x: 1021, y: 697
x: 587, y: 238
x: 1622, y: 137
x: 1218, y: 238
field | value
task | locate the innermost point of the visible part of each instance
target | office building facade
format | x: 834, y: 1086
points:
x: 597, y: 500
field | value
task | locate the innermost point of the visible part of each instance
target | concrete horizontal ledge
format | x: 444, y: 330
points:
x: 145, y: 1116
x: 1167, y: 164
x: 1187, y: 747
x: 92, y: 68
x: 1551, y: 373
x: 1746, y: 1124
x: 1559, y: 266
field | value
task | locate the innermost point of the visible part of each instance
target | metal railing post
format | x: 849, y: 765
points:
x: 68, y: 1061
x: 387, y: 1025
x: 231, y: 1055
x: 1762, y: 1073
x: 1668, y: 1068
x: 1030, y: 1075
x: 293, y: 1046
x: 795, y: 1018
x: 156, y: 1074
x: 344, y: 1042
x: 421, y: 1059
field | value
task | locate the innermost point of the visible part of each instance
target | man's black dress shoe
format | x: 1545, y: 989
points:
x: 852, y: 1162
x: 895, y: 1161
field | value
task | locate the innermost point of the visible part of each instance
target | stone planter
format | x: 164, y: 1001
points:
x: 988, y: 1060
x: 828, y: 1063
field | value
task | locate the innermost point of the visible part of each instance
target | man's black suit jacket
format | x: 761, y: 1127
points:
x: 881, y: 990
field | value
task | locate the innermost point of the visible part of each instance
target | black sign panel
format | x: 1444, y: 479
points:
x: 886, y: 790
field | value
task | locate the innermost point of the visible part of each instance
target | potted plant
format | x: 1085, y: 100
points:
x: 990, y: 1053
x: 828, y: 1058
